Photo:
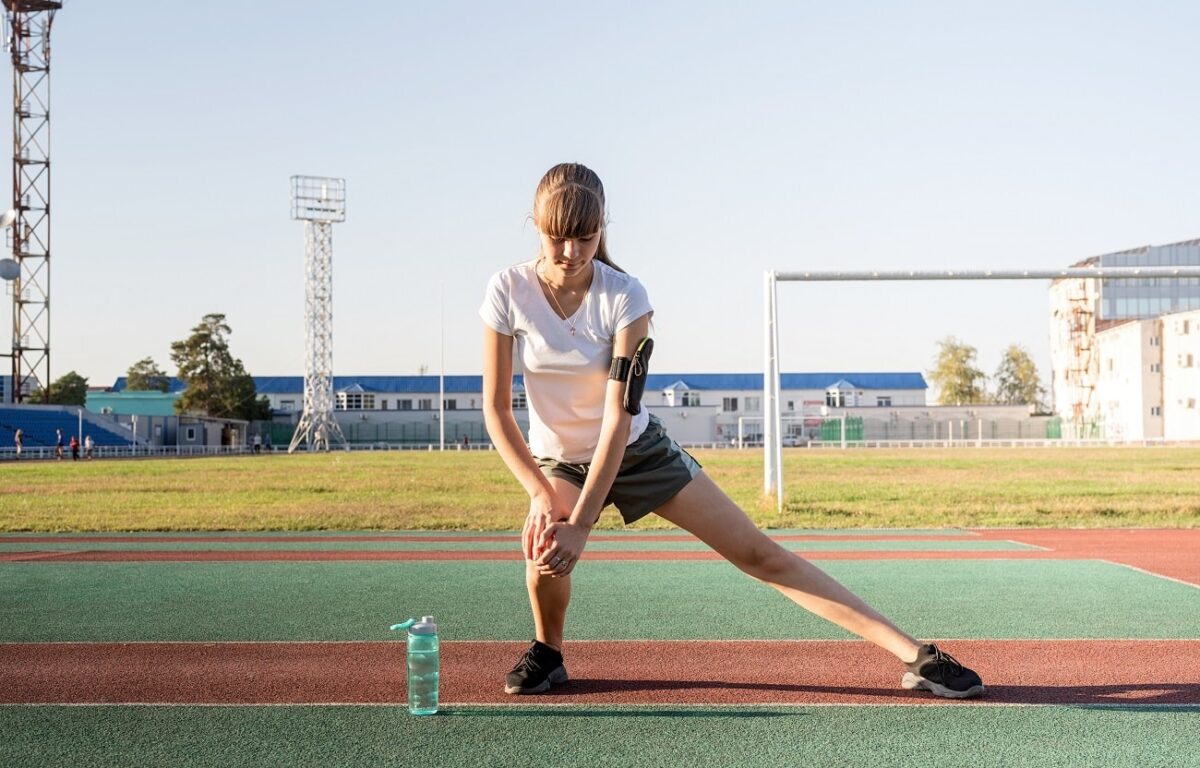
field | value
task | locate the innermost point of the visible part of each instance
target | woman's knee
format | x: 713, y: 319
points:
x: 535, y: 579
x: 764, y: 559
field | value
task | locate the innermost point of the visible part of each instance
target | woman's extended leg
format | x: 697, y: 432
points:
x: 703, y: 509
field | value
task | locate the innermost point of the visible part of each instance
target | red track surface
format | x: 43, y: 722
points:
x: 180, y: 556
x: 513, y: 538
x: 1131, y: 672
x: 1168, y: 552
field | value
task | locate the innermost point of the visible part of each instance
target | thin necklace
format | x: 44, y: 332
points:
x: 550, y: 290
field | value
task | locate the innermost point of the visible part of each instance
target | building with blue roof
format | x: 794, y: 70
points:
x: 698, y: 407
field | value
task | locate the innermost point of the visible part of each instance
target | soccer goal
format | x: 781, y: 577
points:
x: 772, y: 421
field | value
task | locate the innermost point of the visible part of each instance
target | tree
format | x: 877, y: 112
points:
x: 1017, y: 380
x: 146, y: 376
x: 957, y: 379
x: 69, y: 389
x: 217, y: 382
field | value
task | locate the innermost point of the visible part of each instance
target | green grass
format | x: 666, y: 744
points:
x: 473, y: 490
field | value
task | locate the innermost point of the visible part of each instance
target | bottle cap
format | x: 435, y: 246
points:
x: 424, y: 627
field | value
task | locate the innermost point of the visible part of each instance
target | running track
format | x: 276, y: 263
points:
x: 1057, y: 671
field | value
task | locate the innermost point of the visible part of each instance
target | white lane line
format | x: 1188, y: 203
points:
x: 1152, y: 573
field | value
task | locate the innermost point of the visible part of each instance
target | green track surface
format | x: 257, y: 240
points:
x: 259, y: 737
x: 685, y: 545
x: 1001, y: 599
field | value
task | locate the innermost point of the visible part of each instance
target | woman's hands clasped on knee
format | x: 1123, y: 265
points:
x: 544, y: 510
x: 563, y: 544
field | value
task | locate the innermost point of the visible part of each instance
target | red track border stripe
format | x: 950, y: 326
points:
x: 230, y: 556
x: 283, y: 539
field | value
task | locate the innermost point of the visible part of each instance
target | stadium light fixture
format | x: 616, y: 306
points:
x: 9, y: 269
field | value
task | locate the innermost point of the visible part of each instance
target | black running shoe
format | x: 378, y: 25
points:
x: 941, y: 674
x: 540, y: 667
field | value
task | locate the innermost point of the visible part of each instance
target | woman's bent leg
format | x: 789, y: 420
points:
x: 550, y: 596
x: 703, y: 509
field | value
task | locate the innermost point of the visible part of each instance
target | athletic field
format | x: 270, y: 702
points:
x: 262, y: 649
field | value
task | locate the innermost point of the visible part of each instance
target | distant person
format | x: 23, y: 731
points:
x: 88, y: 445
x: 58, y: 444
x: 74, y: 448
x: 466, y: 442
x: 257, y: 443
x: 19, y: 441
x: 580, y: 326
x: 267, y: 443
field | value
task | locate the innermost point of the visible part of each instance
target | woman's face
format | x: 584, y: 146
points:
x: 568, y: 257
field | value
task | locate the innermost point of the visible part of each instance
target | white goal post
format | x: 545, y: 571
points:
x: 772, y: 433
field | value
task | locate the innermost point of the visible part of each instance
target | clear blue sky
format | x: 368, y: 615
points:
x: 732, y: 138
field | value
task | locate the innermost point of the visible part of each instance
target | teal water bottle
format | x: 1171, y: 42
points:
x: 423, y: 665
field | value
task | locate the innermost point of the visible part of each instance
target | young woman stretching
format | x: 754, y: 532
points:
x: 580, y: 325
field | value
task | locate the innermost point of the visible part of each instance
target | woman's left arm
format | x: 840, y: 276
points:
x: 564, y: 542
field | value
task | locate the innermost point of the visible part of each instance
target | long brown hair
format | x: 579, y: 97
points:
x: 569, y: 203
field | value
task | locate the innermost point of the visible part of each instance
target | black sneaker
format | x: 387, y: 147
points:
x: 941, y: 674
x: 540, y: 667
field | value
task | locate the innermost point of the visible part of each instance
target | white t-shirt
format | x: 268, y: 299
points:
x: 565, y: 375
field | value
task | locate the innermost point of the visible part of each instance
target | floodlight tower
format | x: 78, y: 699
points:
x: 318, y: 202
x: 29, y: 42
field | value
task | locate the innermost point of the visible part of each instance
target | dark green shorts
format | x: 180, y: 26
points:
x: 653, y: 470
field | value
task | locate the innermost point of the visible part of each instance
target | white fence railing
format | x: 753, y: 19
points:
x: 41, y: 453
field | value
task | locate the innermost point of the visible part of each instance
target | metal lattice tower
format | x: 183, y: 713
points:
x: 29, y: 41
x: 318, y: 202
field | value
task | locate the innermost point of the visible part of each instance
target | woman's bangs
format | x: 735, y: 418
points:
x: 570, y: 212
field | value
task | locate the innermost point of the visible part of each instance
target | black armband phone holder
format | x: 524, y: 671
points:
x: 635, y: 381
x: 619, y: 370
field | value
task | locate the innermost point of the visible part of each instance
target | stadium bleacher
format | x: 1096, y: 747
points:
x: 40, y: 422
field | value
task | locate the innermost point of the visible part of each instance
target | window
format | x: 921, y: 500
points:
x: 884, y: 401
x: 691, y: 398
x: 190, y: 434
x: 753, y: 404
x: 1155, y: 367
x: 404, y: 405
x: 451, y: 405
x: 518, y: 400
x: 287, y: 405
x: 729, y: 404
x: 1156, y: 410
x: 835, y: 399
x: 1154, y: 341
x: 355, y: 401
x: 791, y: 405
x: 1185, y: 360
x: 425, y: 404
x: 383, y: 404
x: 1191, y: 403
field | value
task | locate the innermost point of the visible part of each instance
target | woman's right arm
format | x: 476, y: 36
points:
x: 544, y: 505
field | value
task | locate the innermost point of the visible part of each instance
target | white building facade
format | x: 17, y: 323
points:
x: 1119, y: 349
x: 1181, y: 376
